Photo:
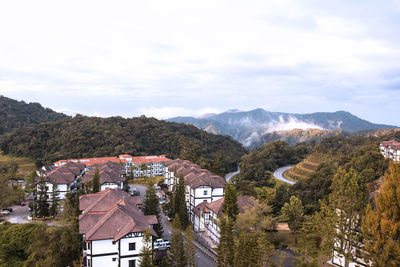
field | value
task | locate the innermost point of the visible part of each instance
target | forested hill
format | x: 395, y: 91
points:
x: 16, y: 114
x: 83, y: 136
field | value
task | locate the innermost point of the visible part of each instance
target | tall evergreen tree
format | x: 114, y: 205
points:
x: 225, y: 249
x: 96, y: 181
x: 381, y: 226
x: 189, y: 247
x: 42, y: 206
x: 177, y: 256
x: 151, y: 206
x: 179, y: 202
x: 294, y: 212
x: 340, y: 220
x: 54, y: 201
x: 247, y: 251
x: 146, y: 253
x: 230, y: 207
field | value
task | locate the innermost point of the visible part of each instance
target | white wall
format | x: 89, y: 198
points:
x: 124, y: 245
x: 108, y: 185
x: 104, y: 246
x: 105, y: 261
x: 199, y: 192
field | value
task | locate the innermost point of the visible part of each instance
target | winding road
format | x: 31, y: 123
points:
x: 230, y: 175
x: 278, y: 174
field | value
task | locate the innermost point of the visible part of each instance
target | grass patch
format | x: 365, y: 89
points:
x: 145, y: 180
x: 26, y: 165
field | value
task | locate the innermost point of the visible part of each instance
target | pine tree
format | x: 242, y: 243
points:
x: 230, y: 207
x: 381, y: 226
x: 189, y: 247
x: 42, y: 206
x: 54, y: 201
x: 151, y: 206
x: 96, y: 181
x: 225, y: 249
x: 177, y: 256
x: 340, y: 220
x: 294, y: 212
x: 247, y: 251
x: 266, y: 250
x: 146, y: 253
x: 308, y: 251
x: 179, y: 202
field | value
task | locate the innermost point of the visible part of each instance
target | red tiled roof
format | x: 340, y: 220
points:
x: 111, y: 214
x: 391, y: 143
x: 109, y: 172
x: 92, y: 161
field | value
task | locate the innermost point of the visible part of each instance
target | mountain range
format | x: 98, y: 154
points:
x: 252, y: 127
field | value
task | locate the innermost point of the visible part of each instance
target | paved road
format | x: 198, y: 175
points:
x: 203, y: 260
x: 19, y: 214
x: 231, y: 174
x: 278, y: 174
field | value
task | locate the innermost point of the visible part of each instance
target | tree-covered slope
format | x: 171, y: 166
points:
x: 83, y: 136
x: 16, y: 114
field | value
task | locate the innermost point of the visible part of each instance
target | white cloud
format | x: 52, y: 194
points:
x: 197, y: 54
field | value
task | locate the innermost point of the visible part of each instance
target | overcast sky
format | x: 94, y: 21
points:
x: 170, y: 58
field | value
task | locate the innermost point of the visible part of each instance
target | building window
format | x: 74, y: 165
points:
x: 132, y: 263
x: 113, y: 242
x: 114, y: 259
x: 132, y: 246
x: 205, y: 192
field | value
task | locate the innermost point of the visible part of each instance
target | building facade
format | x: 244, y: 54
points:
x: 390, y: 150
x: 200, y: 184
x: 112, y: 227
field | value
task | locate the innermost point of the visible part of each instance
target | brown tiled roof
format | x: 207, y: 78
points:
x: 106, y: 217
x: 390, y: 143
x: 109, y: 172
x: 194, y: 175
x: 106, y: 199
x: 65, y: 174
x: 244, y: 202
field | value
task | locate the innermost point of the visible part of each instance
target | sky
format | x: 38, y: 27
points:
x: 189, y: 58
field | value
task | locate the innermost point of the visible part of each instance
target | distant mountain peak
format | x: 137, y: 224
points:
x: 248, y: 127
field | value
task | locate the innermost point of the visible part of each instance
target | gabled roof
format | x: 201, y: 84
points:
x: 65, y: 174
x: 244, y: 202
x: 194, y: 175
x: 106, y: 199
x: 391, y: 143
x: 109, y: 172
x: 107, y: 217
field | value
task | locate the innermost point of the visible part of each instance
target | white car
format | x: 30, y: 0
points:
x: 160, y: 244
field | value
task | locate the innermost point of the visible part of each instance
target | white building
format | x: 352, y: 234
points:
x: 154, y: 165
x: 111, y: 174
x: 206, y: 215
x: 390, y: 150
x: 201, y: 185
x: 112, y: 227
x: 65, y: 177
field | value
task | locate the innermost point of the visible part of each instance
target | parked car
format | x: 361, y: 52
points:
x: 22, y: 203
x: 161, y: 244
x: 4, y: 212
x: 9, y: 209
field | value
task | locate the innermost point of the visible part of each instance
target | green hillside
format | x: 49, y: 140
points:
x: 82, y: 136
x: 16, y: 114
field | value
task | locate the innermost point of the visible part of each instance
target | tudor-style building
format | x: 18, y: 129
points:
x: 201, y: 185
x: 66, y: 178
x: 112, y: 228
x: 112, y: 175
x: 206, y: 215
x: 390, y: 150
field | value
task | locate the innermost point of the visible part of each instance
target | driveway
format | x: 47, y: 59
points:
x: 19, y: 215
x: 278, y: 174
